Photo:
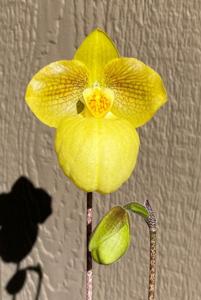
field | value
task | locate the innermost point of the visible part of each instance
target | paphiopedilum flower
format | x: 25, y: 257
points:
x: 96, y: 100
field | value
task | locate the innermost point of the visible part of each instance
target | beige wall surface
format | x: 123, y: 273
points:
x: 45, y: 231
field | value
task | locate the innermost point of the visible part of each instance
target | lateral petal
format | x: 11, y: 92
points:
x: 55, y: 90
x: 138, y: 89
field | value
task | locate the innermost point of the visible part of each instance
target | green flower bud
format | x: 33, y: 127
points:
x: 111, y: 237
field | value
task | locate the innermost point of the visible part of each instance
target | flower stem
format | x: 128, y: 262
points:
x: 151, y: 222
x: 89, y: 274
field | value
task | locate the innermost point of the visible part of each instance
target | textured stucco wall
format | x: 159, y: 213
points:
x: 165, y: 34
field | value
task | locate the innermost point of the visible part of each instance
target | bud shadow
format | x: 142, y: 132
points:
x: 21, y: 212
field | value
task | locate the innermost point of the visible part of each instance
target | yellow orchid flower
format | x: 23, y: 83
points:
x: 96, y: 100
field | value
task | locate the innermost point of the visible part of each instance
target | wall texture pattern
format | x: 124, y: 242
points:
x: 167, y: 36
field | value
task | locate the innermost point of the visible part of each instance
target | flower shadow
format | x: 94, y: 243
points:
x: 21, y: 212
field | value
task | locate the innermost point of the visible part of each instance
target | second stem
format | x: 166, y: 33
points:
x: 151, y: 222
